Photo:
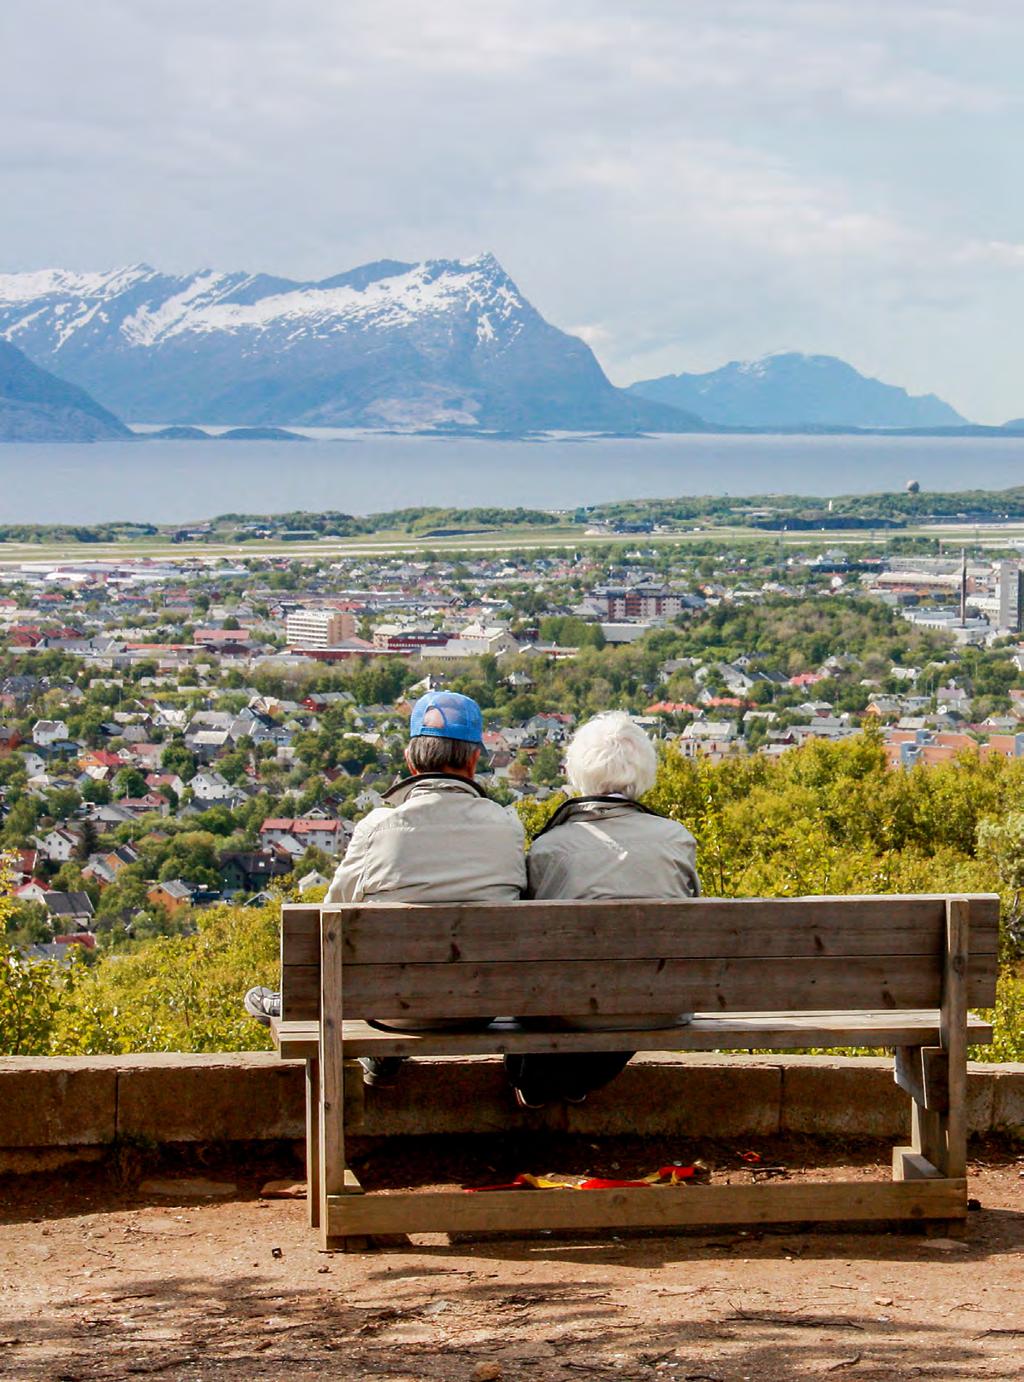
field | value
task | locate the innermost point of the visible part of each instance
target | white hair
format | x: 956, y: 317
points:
x: 611, y: 754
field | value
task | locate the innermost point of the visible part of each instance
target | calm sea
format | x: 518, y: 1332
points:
x: 173, y: 482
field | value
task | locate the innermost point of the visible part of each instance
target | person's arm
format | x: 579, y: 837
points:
x: 347, y: 883
x: 520, y: 850
x: 686, y: 861
x: 545, y: 872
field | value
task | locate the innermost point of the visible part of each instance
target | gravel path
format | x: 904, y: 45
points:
x: 198, y: 1278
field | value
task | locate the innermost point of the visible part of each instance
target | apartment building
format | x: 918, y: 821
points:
x: 319, y: 628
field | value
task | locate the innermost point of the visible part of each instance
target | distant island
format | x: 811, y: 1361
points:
x: 686, y: 516
x: 183, y: 433
x: 791, y: 390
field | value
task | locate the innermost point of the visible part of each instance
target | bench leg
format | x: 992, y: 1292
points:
x: 953, y: 1028
x: 939, y: 1133
x: 334, y: 1177
x: 313, y: 1142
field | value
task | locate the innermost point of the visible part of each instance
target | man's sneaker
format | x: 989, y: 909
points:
x: 263, y: 1004
x: 575, y: 1098
x: 380, y: 1071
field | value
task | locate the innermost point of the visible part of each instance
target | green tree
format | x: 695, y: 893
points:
x: 129, y: 782
x: 20, y: 822
x: 176, y: 758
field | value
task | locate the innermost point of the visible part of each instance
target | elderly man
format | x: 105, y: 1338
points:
x: 601, y: 844
x: 440, y: 838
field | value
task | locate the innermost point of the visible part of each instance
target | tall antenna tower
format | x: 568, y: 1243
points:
x: 963, y: 587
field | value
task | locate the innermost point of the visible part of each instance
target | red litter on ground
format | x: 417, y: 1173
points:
x: 665, y: 1175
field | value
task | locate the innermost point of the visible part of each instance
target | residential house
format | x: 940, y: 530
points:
x: 9, y: 738
x: 31, y: 890
x: 208, y: 744
x: 33, y: 763
x: 23, y: 864
x: 173, y: 894
x: 298, y: 834
x: 210, y: 786
x: 104, y: 867
x: 47, y: 732
x: 59, y: 845
x: 553, y: 726
x: 250, y: 870
x: 114, y: 813
x: 73, y: 909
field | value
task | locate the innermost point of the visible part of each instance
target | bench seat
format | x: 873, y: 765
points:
x: 707, y: 1032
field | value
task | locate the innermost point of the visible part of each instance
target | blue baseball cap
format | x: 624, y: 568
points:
x: 447, y: 715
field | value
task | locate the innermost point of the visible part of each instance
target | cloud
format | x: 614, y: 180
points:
x: 693, y: 181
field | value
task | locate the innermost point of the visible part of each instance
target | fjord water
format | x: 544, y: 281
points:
x: 182, y: 481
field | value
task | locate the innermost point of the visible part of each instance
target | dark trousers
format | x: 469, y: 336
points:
x: 543, y: 1079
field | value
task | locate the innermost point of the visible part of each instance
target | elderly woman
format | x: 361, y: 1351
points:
x: 603, y: 844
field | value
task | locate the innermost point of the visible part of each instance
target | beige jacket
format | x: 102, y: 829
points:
x: 439, y: 839
x: 608, y: 850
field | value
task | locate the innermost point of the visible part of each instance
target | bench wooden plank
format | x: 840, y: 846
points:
x: 953, y: 1021
x: 610, y: 987
x: 923, y: 1071
x: 330, y: 1156
x: 374, y: 933
x: 910, y: 1165
x: 775, y: 1031
x: 668, y: 1207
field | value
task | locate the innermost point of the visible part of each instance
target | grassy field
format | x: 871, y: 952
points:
x: 990, y: 536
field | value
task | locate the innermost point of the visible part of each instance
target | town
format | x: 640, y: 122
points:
x: 178, y: 732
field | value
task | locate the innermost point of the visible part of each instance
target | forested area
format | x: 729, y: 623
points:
x: 829, y: 818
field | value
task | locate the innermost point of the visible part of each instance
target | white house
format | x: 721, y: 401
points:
x: 211, y: 786
x: 49, y: 731
x: 296, y: 835
x: 58, y: 846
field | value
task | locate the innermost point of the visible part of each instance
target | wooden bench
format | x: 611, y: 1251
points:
x: 894, y: 972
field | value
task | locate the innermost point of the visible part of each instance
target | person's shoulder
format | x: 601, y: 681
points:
x: 672, y: 830
x: 380, y: 815
x: 504, y: 815
x: 553, y: 842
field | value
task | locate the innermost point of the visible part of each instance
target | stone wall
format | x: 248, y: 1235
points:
x: 53, y: 1109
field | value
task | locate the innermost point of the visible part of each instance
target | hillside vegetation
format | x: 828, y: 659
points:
x: 824, y: 819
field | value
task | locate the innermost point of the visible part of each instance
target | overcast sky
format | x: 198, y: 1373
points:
x: 682, y: 182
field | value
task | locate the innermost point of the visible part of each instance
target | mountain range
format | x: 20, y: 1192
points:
x: 442, y: 344
x: 37, y: 406
x: 797, y: 391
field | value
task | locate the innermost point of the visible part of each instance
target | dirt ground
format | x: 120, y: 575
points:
x: 188, y: 1274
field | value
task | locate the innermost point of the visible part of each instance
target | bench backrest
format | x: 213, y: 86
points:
x: 535, y: 959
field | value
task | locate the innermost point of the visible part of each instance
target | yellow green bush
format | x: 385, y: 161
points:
x: 824, y: 819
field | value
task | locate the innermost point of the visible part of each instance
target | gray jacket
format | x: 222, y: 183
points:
x: 439, y: 839
x: 609, y: 849
x: 604, y: 850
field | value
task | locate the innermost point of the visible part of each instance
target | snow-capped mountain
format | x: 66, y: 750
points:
x: 37, y: 406
x: 793, y: 390
x: 445, y: 343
